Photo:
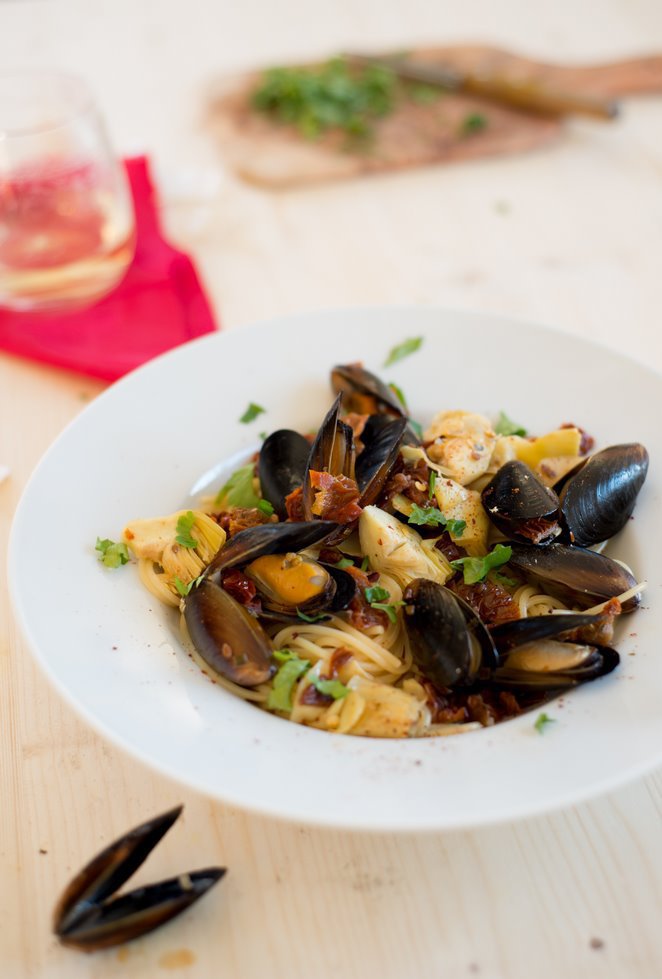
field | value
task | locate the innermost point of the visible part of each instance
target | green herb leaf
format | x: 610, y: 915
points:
x: 263, y: 435
x: 280, y: 696
x: 331, y: 96
x: 183, y: 589
x: 343, y: 563
x: 238, y: 491
x: 432, y: 481
x: 265, y: 507
x: 473, y: 123
x: 251, y: 413
x: 542, y: 721
x: 375, y: 593
x: 431, y: 517
x: 403, y: 350
x: 332, y: 688
x: 398, y: 392
x: 283, y: 655
x: 503, y: 579
x: 311, y: 618
x: 476, y: 568
x: 365, y: 564
x: 184, y: 528
x: 416, y: 427
x: 424, y: 94
x: 112, y: 554
x: 505, y: 426
x: 390, y: 609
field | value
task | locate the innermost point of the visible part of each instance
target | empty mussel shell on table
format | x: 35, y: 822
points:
x: 282, y: 466
x: 521, y: 506
x: 575, y: 575
x: 598, y: 500
x: 86, y: 917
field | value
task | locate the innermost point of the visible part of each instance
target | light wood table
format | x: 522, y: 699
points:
x: 570, y: 236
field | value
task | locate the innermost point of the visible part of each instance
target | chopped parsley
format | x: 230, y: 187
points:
x: 431, y: 517
x: 476, y: 568
x: 280, y: 696
x: 432, y: 482
x: 403, y: 350
x: 265, y: 507
x: 251, y: 413
x: 334, y: 95
x: 311, y: 618
x: 185, y: 589
x: 112, y: 554
x: 184, y: 528
x: 331, y: 688
x: 542, y: 722
x: 398, y: 392
x: 375, y: 593
x: 365, y: 564
x: 263, y: 435
x: 473, y: 123
x: 505, y: 426
x: 238, y: 491
x: 343, y: 563
x: 503, y: 579
x: 390, y: 609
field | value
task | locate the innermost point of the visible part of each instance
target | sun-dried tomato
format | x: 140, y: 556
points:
x: 240, y: 518
x: 407, y: 481
x: 491, y: 602
x: 294, y: 505
x: 314, y: 697
x: 339, y: 657
x: 237, y: 584
x: 336, y: 497
x: 448, y: 547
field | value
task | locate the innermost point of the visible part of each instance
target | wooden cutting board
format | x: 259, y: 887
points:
x: 274, y: 155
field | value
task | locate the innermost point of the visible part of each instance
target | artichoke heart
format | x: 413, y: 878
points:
x: 162, y: 559
x: 397, y: 550
x: 462, y: 443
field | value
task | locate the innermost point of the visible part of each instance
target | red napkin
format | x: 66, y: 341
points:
x: 159, y: 304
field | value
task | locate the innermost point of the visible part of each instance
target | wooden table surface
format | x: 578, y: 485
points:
x: 571, y: 235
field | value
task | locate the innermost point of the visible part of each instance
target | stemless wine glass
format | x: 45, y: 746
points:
x: 66, y: 218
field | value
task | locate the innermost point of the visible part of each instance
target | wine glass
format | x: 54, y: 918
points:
x: 67, y: 232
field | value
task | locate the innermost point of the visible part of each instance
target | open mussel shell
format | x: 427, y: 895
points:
x: 574, y: 574
x: 87, y: 918
x: 332, y: 451
x: 382, y: 445
x: 282, y: 466
x: 363, y: 392
x: 599, y: 499
x: 549, y: 666
x: 519, y: 632
x: 520, y: 506
x: 229, y: 640
x: 269, y: 538
x: 449, y: 643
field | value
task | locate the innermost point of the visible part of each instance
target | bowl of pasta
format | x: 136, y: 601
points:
x: 401, y: 578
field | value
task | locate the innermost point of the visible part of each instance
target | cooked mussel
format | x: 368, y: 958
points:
x: 449, y: 643
x: 290, y: 582
x: 550, y: 666
x: 229, y: 640
x: 520, y: 505
x: 282, y: 466
x: 332, y: 452
x: 574, y: 574
x: 269, y: 538
x: 87, y: 918
x: 599, y: 499
x: 363, y: 392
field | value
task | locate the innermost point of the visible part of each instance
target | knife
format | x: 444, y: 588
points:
x: 527, y: 96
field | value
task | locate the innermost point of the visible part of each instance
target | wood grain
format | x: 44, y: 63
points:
x: 571, y: 237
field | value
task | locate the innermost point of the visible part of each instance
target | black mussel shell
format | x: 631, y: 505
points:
x: 598, y: 501
x: 332, y: 451
x: 449, y: 643
x: 345, y: 588
x: 363, y: 392
x: 227, y: 637
x: 382, y: 446
x: 289, y: 582
x: 520, y: 506
x: 281, y: 466
x: 519, y: 632
x: 574, y: 574
x: 269, y: 538
x: 550, y: 667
